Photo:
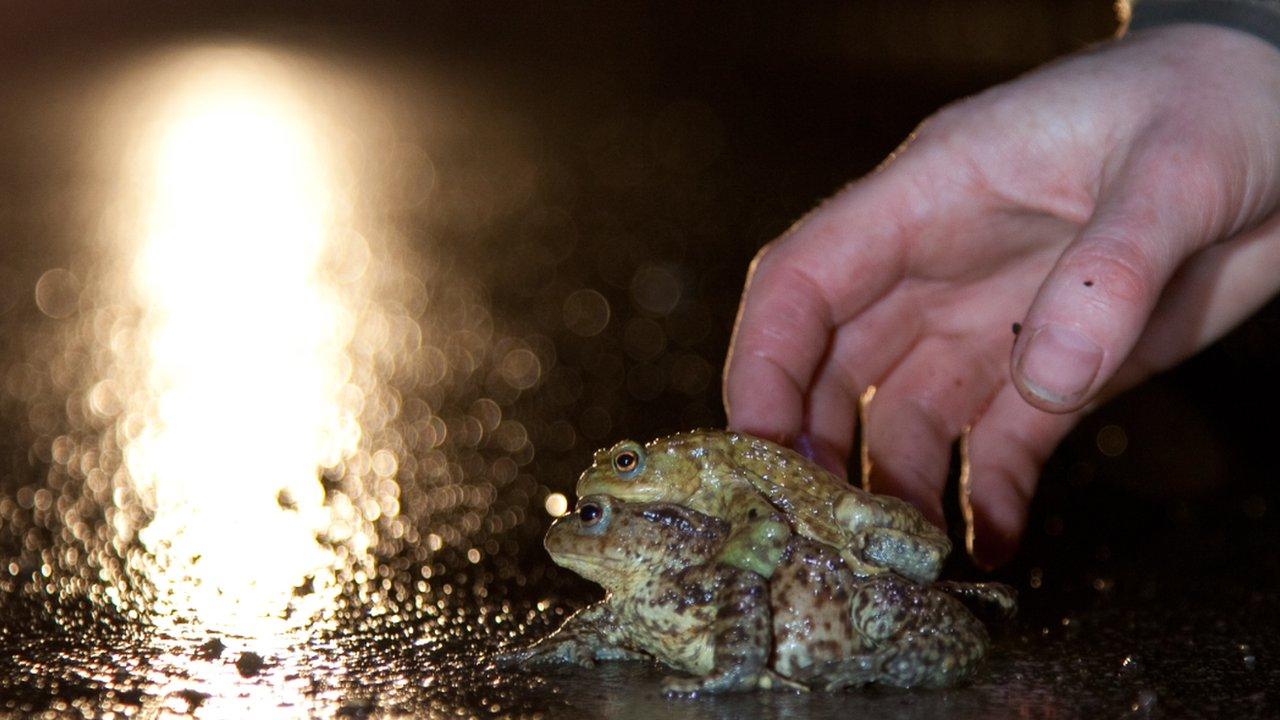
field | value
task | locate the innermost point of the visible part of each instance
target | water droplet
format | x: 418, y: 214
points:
x: 1144, y: 703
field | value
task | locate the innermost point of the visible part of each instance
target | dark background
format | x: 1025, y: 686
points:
x: 655, y: 148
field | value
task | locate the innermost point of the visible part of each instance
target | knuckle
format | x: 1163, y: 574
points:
x: 945, y: 123
x: 763, y: 260
x: 791, y: 297
x: 1115, y: 269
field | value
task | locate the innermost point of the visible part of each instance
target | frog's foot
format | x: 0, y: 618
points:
x: 548, y: 653
x: 771, y: 680
x: 999, y: 595
x: 859, y: 567
x: 850, y: 672
x: 757, y: 546
x: 915, y: 557
x: 728, y: 682
x: 858, y: 512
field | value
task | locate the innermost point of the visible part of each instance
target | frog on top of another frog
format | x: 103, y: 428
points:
x: 765, y: 491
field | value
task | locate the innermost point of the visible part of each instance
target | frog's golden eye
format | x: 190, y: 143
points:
x: 627, y: 462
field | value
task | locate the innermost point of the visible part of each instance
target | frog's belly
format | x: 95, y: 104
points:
x: 682, y: 641
x: 812, y: 618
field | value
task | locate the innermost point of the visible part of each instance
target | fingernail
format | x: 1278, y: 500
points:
x: 1059, y: 364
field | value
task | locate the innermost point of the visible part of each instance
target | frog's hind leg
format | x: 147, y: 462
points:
x: 913, y: 661
x: 922, y: 637
x: 998, y: 595
x: 851, y: 672
x: 915, y: 557
x: 937, y: 660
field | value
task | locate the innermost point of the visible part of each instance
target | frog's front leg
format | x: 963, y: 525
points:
x: 913, y: 556
x: 589, y: 635
x: 742, y: 638
x: 757, y: 545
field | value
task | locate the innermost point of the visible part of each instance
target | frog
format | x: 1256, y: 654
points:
x: 767, y: 491
x: 814, y: 625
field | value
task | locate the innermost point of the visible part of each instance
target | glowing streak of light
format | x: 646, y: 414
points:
x: 246, y: 347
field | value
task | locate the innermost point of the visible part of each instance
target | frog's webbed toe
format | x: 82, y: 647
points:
x: 548, y: 653
x: 915, y: 557
x: 997, y: 595
x: 858, y: 566
x: 771, y: 680
x: 508, y: 659
x: 727, y: 682
x: 715, y: 684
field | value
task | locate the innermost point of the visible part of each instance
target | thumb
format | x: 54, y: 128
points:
x: 1096, y: 301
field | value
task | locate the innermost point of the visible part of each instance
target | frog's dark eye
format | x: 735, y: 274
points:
x: 590, y: 513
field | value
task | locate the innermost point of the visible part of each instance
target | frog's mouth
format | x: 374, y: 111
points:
x: 632, y: 492
x: 601, y: 570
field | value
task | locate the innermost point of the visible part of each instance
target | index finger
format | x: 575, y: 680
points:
x: 821, y: 274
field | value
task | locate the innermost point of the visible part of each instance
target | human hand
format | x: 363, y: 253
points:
x: 1121, y: 205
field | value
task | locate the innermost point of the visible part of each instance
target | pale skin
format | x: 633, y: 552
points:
x: 1120, y: 205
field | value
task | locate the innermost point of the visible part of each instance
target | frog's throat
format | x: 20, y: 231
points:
x: 614, y: 575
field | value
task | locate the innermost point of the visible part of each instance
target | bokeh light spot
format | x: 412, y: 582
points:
x: 58, y: 293
x: 556, y: 504
x: 586, y: 312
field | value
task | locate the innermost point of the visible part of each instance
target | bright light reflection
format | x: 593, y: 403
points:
x: 246, y: 343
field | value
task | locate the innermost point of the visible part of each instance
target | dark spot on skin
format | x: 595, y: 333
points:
x: 681, y: 521
x: 1088, y: 283
x: 1017, y: 328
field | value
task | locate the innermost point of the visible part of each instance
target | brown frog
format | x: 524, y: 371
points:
x: 813, y: 625
x: 765, y: 490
